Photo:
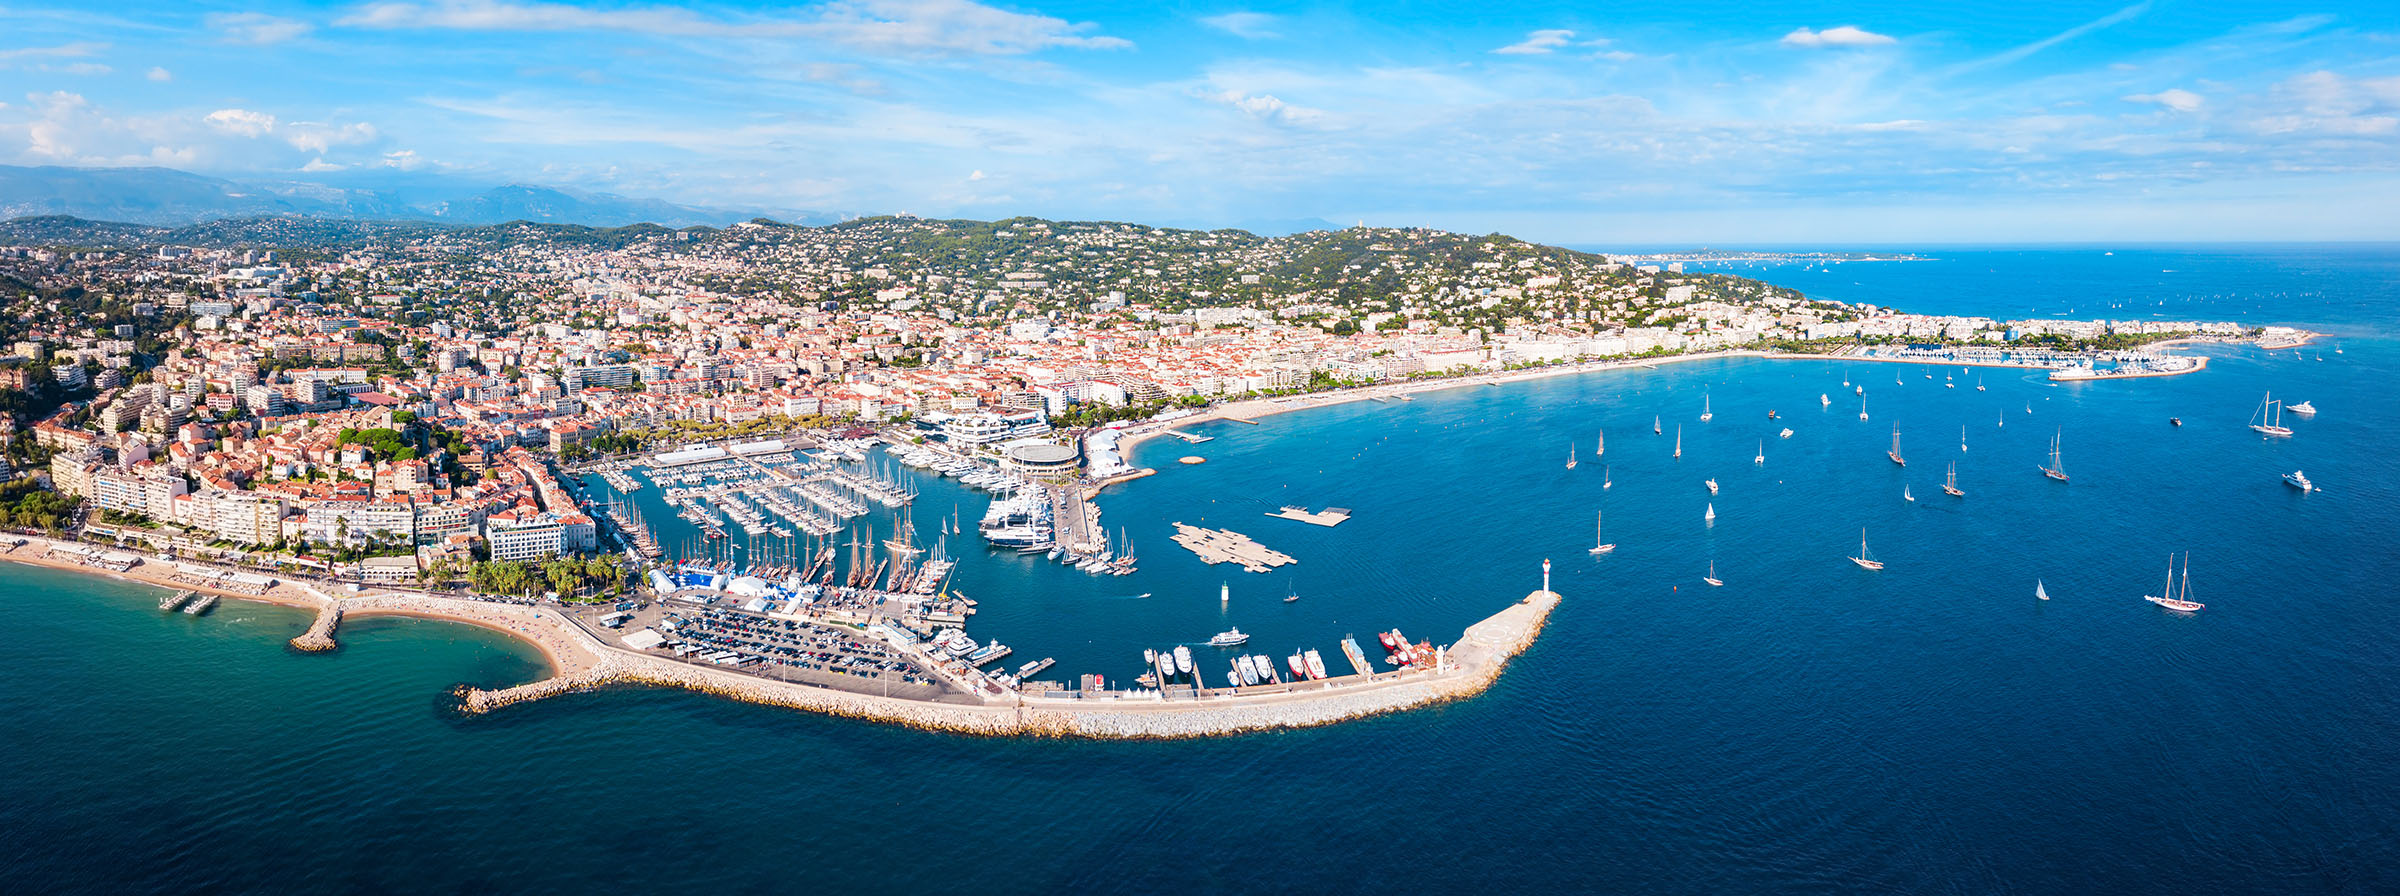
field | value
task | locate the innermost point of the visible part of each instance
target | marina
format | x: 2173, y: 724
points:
x: 1329, y: 517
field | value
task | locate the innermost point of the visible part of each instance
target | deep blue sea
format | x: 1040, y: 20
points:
x: 1808, y: 727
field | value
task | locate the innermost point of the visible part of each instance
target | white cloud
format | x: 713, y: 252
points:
x: 404, y: 159
x: 158, y: 73
x: 318, y: 165
x: 1538, y: 42
x: 901, y: 26
x: 2176, y: 98
x: 317, y: 137
x: 2013, y: 54
x: 1253, y: 25
x: 976, y: 175
x: 1266, y: 107
x: 62, y: 51
x: 241, y: 122
x: 257, y: 27
x: 1837, y: 36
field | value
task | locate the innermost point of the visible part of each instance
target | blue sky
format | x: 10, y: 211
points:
x: 1581, y: 123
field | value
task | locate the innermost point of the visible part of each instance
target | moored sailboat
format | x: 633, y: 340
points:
x: 1599, y: 545
x: 1864, y: 559
x: 2181, y: 603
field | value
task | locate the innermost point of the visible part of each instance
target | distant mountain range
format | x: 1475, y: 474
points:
x: 167, y: 197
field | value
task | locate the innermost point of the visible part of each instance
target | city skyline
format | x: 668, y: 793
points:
x: 1709, y: 123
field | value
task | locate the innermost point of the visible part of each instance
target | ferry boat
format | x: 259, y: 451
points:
x: 1864, y: 559
x: 1227, y: 638
x: 2269, y: 418
x: 2181, y: 603
x: 1599, y: 546
x: 2299, y: 480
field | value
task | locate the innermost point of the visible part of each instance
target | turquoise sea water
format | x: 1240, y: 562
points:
x: 1810, y: 726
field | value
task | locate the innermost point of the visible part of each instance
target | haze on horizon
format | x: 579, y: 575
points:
x: 1709, y: 122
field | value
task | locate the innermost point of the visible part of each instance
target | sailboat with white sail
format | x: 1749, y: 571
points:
x: 1600, y: 546
x: 1862, y: 408
x: 1600, y: 447
x: 1705, y: 414
x: 1864, y: 559
x: 2181, y: 603
x: 1570, y: 455
x: 2039, y: 592
x: 1962, y: 438
x: 1679, y: 441
x: 1711, y: 516
x: 1654, y: 429
x: 1605, y: 483
x: 1904, y: 494
x: 1761, y: 459
x: 1711, y: 578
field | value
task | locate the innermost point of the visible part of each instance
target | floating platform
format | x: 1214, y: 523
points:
x: 1329, y: 517
x: 1190, y: 437
x: 1227, y: 546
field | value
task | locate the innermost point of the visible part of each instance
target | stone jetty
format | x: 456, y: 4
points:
x: 1471, y: 665
x: 319, y: 636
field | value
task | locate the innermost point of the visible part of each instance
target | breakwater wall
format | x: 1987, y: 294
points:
x: 319, y: 637
x: 1475, y: 662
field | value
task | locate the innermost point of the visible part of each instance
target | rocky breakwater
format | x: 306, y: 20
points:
x: 1471, y: 666
x: 319, y: 636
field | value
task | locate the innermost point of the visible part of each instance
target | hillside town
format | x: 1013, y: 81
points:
x: 400, y: 404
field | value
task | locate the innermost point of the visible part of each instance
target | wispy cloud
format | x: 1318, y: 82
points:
x: 1252, y: 25
x: 257, y: 27
x: 1538, y: 42
x: 1836, y: 36
x: 2175, y: 98
x: 159, y: 73
x: 906, y: 26
x: 2013, y: 54
x: 77, y: 50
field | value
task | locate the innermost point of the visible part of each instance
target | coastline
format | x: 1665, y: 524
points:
x: 1250, y: 410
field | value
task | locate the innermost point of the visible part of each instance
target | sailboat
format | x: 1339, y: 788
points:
x: 1761, y: 459
x: 1679, y: 441
x: 2181, y: 603
x: 2270, y: 425
x: 1711, y: 515
x: 1600, y: 447
x: 1950, y: 485
x: 1979, y: 383
x: 1962, y: 438
x: 1862, y: 407
x: 1905, y: 496
x: 2055, y: 470
x: 1824, y: 400
x: 2039, y: 592
x: 1570, y: 455
x: 1705, y: 414
x: 1712, y: 485
x: 1654, y: 430
x: 1599, y: 547
x: 1290, y: 595
x: 2003, y: 422
x: 1711, y: 578
x: 1604, y: 481
x: 1894, y: 454
x: 1864, y: 559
